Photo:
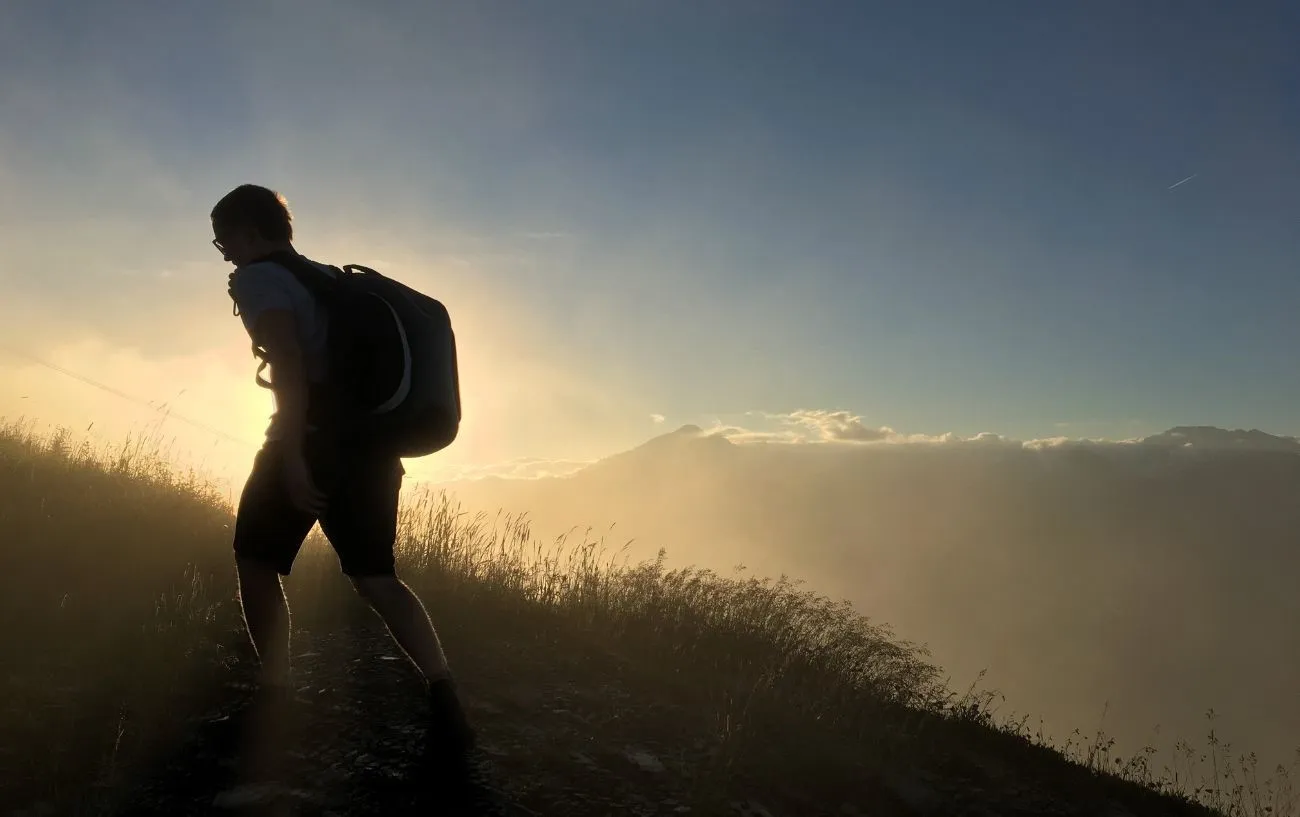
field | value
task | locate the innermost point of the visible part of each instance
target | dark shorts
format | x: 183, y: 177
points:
x: 360, y: 519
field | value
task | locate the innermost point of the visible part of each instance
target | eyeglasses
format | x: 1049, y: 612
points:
x: 217, y: 243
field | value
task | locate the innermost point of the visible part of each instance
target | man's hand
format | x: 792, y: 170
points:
x: 302, y: 489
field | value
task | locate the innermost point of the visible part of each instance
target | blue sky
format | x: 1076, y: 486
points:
x: 942, y: 217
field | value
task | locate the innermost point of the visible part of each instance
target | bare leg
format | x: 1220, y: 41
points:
x: 266, y: 613
x: 450, y: 737
x: 407, y: 621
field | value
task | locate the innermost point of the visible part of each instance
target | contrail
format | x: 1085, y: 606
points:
x: 1184, y: 181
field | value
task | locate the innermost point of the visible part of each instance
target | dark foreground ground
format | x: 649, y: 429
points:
x: 585, y: 731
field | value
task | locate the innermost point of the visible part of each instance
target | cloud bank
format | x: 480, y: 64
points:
x: 827, y: 431
x: 840, y: 427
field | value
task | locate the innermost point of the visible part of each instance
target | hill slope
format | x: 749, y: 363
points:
x: 596, y: 688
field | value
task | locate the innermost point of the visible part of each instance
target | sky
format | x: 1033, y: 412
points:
x: 937, y: 217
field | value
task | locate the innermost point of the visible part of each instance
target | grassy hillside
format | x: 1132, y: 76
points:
x: 596, y: 682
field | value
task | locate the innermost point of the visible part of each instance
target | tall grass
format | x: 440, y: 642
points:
x: 117, y: 590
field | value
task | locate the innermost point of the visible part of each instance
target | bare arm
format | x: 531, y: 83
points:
x: 276, y: 332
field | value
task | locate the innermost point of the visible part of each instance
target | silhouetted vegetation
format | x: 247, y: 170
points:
x: 117, y: 593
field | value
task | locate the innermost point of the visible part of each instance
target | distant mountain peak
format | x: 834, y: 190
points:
x: 1212, y: 437
x: 687, y: 441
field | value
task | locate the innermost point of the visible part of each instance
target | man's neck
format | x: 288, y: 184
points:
x: 284, y: 246
x: 266, y: 251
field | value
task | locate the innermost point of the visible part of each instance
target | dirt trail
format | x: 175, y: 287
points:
x: 352, y: 739
x: 569, y: 729
x: 557, y: 735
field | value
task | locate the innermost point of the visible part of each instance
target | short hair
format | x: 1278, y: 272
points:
x: 261, y: 208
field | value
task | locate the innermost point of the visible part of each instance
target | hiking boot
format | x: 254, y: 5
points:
x: 252, y: 743
x: 258, y: 735
x: 453, y: 777
x: 449, y: 729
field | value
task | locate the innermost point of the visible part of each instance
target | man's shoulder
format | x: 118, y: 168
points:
x: 274, y: 269
x: 323, y: 267
x: 260, y: 276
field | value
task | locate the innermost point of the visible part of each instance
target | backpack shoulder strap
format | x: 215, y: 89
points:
x: 320, y: 285
x: 308, y: 274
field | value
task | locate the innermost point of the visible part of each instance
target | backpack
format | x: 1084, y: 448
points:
x: 393, y: 377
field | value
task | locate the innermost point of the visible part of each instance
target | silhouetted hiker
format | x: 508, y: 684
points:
x: 326, y: 456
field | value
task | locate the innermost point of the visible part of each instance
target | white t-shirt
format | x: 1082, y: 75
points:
x: 268, y: 285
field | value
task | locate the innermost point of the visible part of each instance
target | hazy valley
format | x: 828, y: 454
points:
x: 1156, y: 577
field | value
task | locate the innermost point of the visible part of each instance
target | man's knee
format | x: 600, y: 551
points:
x: 257, y: 568
x: 372, y: 587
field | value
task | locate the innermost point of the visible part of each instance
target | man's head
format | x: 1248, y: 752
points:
x: 250, y: 222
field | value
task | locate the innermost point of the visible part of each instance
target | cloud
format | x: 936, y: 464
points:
x: 829, y: 426
x: 658, y: 419
x: 840, y: 429
x: 836, y: 426
x: 736, y: 434
x: 843, y: 428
